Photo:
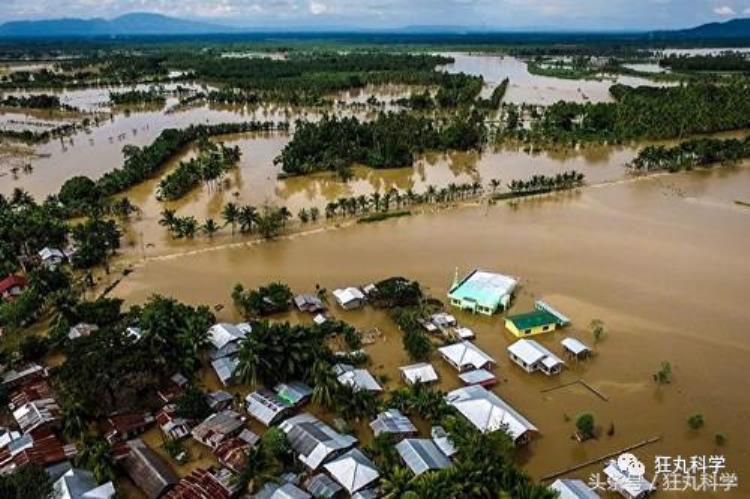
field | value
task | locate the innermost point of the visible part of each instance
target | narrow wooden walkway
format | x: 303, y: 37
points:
x: 582, y: 382
x: 599, y: 459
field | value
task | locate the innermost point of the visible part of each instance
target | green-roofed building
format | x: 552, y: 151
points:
x: 531, y: 323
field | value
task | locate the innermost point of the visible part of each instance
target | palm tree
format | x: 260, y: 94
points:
x: 95, y: 455
x: 168, y: 218
x: 247, y: 218
x: 209, y: 227
x: 396, y: 484
x: 230, y: 214
x: 325, y: 384
x: 257, y: 470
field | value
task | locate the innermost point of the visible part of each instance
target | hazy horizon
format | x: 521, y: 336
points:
x: 586, y: 15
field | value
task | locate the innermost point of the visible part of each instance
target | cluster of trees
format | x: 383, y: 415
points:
x: 496, y: 98
x: 38, y: 136
x: 39, y: 101
x: 396, y: 292
x: 647, y: 113
x: 42, y: 285
x: 416, y: 342
x: 266, y: 300
x: 27, y: 482
x: 142, y: 163
x: 391, y: 140
x: 726, y: 61
x: 212, y: 162
x: 690, y: 154
x: 112, y: 370
x: 150, y: 96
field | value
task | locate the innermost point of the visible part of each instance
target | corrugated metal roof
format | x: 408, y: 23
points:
x: 147, y: 470
x: 359, y: 379
x: 218, y: 427
x: 287, y: 490
x: 313, y: 440
x: 442, y: 440
x: 531, y: 352
x: 465, y: 354
x: 421, y: 454
x: 476, y: 377
x: 488, y: 412
x: 392, y: 421
x: 575, y: 346
x: 294, y: 392
x: 266, y: 406
x: 322, y: 486
x: 485, y: 288
x: 225, y: 368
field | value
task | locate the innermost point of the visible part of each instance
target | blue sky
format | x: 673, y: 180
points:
x: 570, y: 14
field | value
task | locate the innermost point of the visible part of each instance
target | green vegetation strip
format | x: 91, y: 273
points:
x: 377, y: 217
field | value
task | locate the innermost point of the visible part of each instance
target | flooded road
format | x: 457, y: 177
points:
x: 662, y: 261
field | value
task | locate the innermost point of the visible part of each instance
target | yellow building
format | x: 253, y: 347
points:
x: 532, y: 323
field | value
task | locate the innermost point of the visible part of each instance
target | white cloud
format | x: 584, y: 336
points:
x: 317, y: 8
x: 724, y: 10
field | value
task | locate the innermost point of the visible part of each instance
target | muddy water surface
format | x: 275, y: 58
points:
x: 662, y: 261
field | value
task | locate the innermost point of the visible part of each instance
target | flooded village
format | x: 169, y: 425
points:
x: 370, y: 349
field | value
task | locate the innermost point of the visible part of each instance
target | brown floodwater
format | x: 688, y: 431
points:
x: 661, y: 260
x: 525, y: 87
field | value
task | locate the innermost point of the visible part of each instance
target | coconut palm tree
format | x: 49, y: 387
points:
x: 247, y: 218
x: 230, y: 214
x: 209, y: 227
x: 325, y: 384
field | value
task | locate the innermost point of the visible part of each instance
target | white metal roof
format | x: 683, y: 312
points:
x: 531, y: 352
x: 476, y: 376
x: 313, y: 440
x: 442, y: 440
x: 421, y: 372
x: 392, y: 421
x: 353, y: 470
x: 464, y: 333
x: 47, y: 253
x: 265, y: 406
x: 347, y: 295
x: 220, y: 335
x: 573, y: 489
x: 488, y: 412
x: 465, y: 354
x: 575, y: 346
x: 359, y: 379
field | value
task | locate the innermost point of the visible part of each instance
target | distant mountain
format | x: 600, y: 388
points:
x: 138, y: 24
x: 734, y: 29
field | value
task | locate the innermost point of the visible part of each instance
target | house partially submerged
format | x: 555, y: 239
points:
x: 482, y: 292
x: 533, y: 356
x: 576, y: 348
x: 313, y: 441
x: 51, y: 257
x: 531, y: 323
x: 266, y: 406
x: 359, y: 379
x: 478, y: 377
x: 622, y: 480
x: 41, y: 447
x: 214, y: 483
x: 572, y: 489
x: 294, y: 393
x: 421, y: 455
x: 80, y: 484
x: 466, y: 356
x: 43, y: 414
x: 174, y: 388
x: 82, y: 330
x: 126, y: 426
x: 145, y: 468
x: 225, y: 338
x: 226, y: 369
x: 219, y: 400
x: 442, y: 440
x: 393, y: 422
x: 419, y: 373
x: 22, y: 375
x: 12, y: 286
x: 232, y: 453
x: 218, y: 427
x: 488, y: 413
x: 172, y: 426
x: 353, y: 470
x: 309, y: 303
x: 323, y: 486
x: 349, y: 298
x: 273, y: 490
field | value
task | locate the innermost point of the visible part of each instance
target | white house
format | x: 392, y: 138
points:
x: 576, y: 347
x: 421, y: 455
x: 465, y: 356
x: 488, y: 413
x: 482, y: 292
x: 51, y: 257
x: 225, y: 338
x: 354, y: 471
x: 532, y: 356
x: 421, y: 372
x: 359, y: 379
x: 349, y: 298
x: 80, y: 484
x: 314, y: 441
x: 266, y: 406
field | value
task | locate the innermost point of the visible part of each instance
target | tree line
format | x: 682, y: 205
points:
x: 690, y: 154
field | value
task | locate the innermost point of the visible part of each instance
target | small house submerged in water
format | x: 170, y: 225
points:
x: 482, y: 292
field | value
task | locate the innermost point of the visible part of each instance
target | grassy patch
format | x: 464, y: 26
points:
x: 377, y: 217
